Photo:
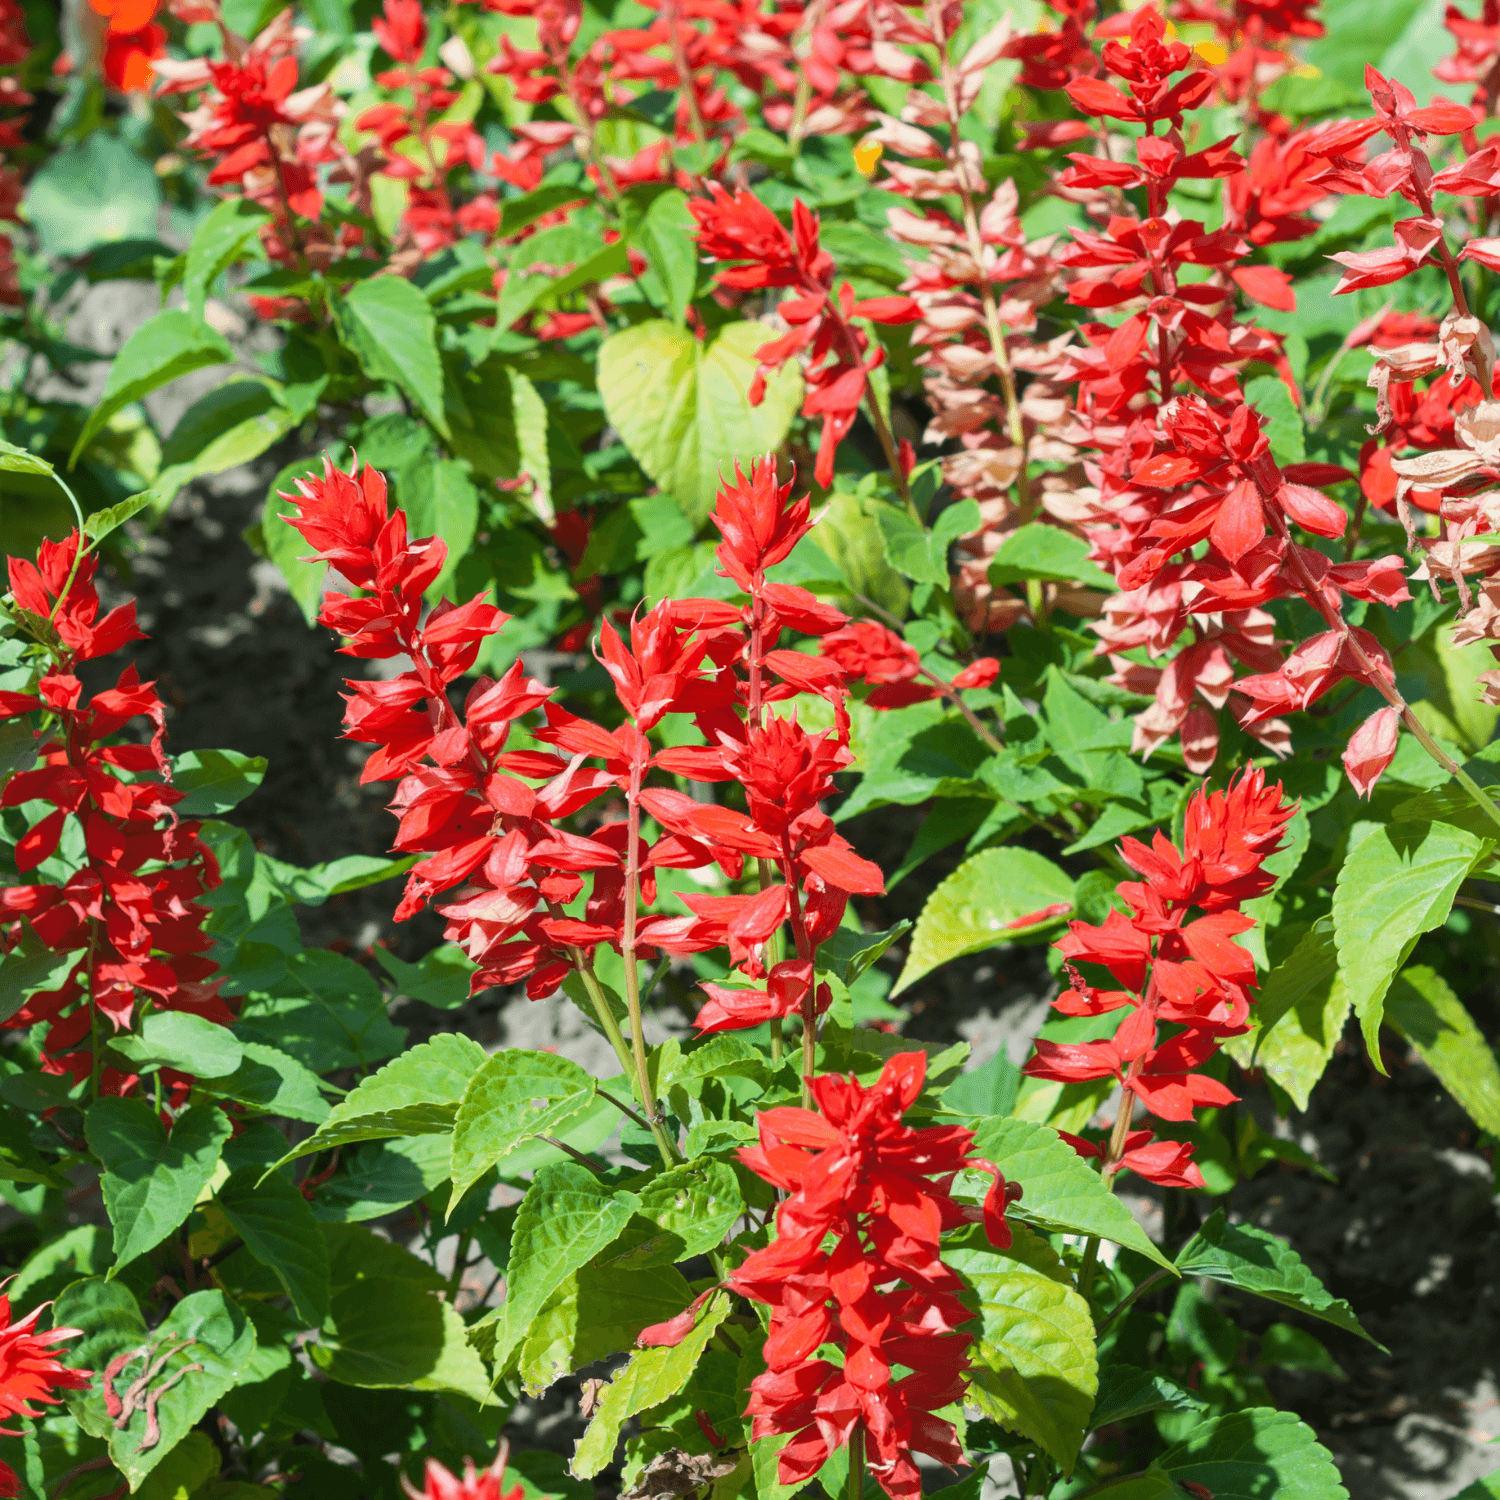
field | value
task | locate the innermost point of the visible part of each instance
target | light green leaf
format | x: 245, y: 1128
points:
x: 1424, y: 1009
x: 596, y: 1312
x: 218, y: 241
x: 1487, y: 1488
x: 531, y: 440
x: 514, y: 1096
x: 696, y: 1203
x: 566, y: 1218
x: 30, y: 966
x: 171, y: 345
x: 1254, y: 1260
x: 151, y: 1180
x: 683, y: 408
x: 99, y: 525
x: 1034, y: 1364
x: 179, y: 1039
x: 1060, y: 1191
x: 95, y: 193
x: 14, y: 460
x: 1046, y: 552
x: 391, y: 327
x: 205, y: 1329
x: 417, y: 1094
x: 278, y: 1227
x: 390, y: 1333
x: 1283, y: 422
x: 1254, y: 1454
x: 996, y: 896
x: 651, y: 1377
x: 215, y: 780
x: 1396, y: 884
x: 1299, y: 1016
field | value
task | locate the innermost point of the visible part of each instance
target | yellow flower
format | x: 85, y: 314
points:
x: 866, y: 154
x: 1212, y: 53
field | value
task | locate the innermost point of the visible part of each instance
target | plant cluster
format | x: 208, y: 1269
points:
x: 871, y: 406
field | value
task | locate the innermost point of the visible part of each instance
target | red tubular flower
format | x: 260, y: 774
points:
x: 130, y: 911
x: 30, y: 1371
x: 741, y: 227
x: 439, y: 1484
x: 881, y: 1191
x: 1174, y: 968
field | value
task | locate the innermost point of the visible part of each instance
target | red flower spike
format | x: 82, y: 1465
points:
x: 1176, y: 957
x: 440, y: 1484
x: 880, y: 1191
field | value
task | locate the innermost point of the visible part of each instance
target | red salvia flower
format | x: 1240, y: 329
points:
x: 438, y: 1483
x: 1174, y: 968
x: 30, y: 1371
x: 880, y: 1192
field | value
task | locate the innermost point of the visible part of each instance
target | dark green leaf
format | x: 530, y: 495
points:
x: 1254, y: 1260
x: 1250, y: 1455
x: 215, y: 780
x: 1046, y: 552
x: 1126, y: 1391
x: 28, y: 967
x: 391, y: 327
x: 278, y: 1228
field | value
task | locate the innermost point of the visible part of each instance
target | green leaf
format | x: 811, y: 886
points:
x: 1396, y: 884
x: 328, y: 1014
x: 440, y: 978
x: 219, y: 240
x: 683, y: 409
x: 17, y: 749
x: 1255, y: 1261
x: 30, y: 966
x: 376, y: 1178
x: 1298, y: 1017
x: 1254, y: 1454
x: 179, y: 1039
x: 1487, y: 1488
x: 920, y: 554
x: 287, y: 547
x: 184, y: 1471
x: 517, y: 213
x: 95, y: 193
x: 522, y: 292
x: 1283, y: 422
x: 14, y: 460
x: 171, y: 345
x: 848, y: 953
x: 566, y: 1218
x: 270, y: 1081
x: 665, y: 236
x: 1424, y: 1009
x: 228, y: 427
x: 99, y: 525
x: 1060, y: 1191
x: 530, y: 413
x: 1034, y: 1365
x: 417, y: 1094
x: 391, y: 327
x: 515, y: 1096
x: 1046, y: 552
x: 215, y: 780
x: 151, y: 1180
x: 205, y: 1329
x: 651, y: 1377
x: 596, y: 1312
x: 696, y: 1203
x: 279, y: 1230
x: 390, y: 1333
x: 996, y: 896
x: 1126, y: 1391
x: 441, y: 501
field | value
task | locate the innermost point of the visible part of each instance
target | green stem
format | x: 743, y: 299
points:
x: 460, y: 1264
x: 857, y: 1462
x: 1090, y: 1265
x: 1130, y: 1297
